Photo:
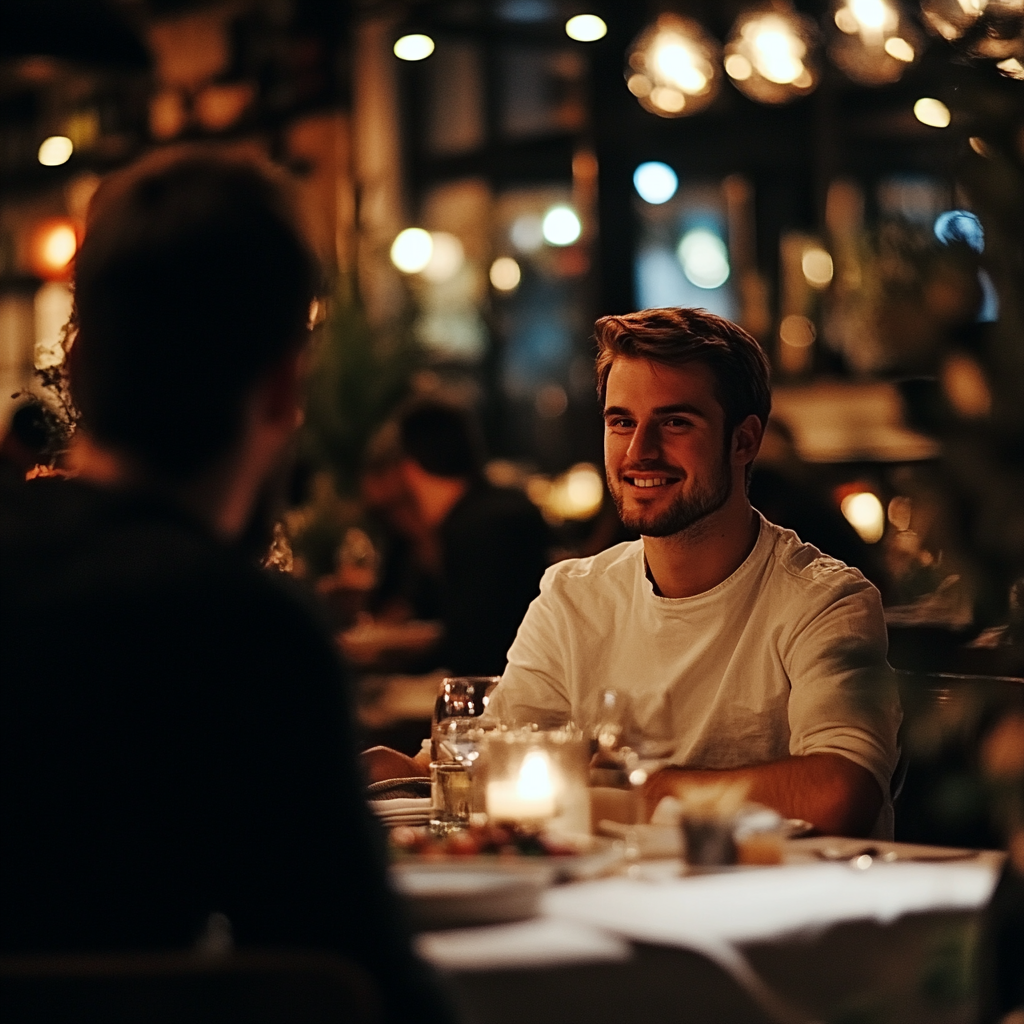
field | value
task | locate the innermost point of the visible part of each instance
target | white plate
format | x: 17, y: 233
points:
x: 460, y: 895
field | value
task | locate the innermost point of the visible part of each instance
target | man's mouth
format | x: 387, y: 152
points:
x: 650, y: 481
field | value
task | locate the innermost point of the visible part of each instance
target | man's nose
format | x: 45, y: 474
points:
x: 644, y: 444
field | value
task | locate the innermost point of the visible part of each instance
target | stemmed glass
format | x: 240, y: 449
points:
x: 629, y: 754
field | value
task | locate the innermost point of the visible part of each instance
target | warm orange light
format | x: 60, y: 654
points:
x: 54, y: 244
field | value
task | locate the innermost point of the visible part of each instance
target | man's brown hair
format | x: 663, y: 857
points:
x: 192, y: 281
x: 676, y: 336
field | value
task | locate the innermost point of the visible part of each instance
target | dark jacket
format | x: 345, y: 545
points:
x: 176, y: 741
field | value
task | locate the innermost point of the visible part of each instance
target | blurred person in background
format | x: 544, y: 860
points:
x: 485, y: 546
x: 409, y: 570
x: 783, y: 490
x: 492, y: 541
x: 492, y: 545
x: 174, y: 727
x: 29, y: 439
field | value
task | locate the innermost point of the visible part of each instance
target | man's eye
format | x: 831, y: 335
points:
x: 678, y: 421
x: 620, y: 424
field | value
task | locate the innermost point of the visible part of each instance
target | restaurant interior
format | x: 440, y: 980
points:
x: 481, y: 180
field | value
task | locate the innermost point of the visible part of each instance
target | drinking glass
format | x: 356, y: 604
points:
x: 456, y: 738
x: 455, y: 732
x: 626, y: 756
x: 451, y: 796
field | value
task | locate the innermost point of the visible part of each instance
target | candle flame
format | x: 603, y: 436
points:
x: 535, y: 780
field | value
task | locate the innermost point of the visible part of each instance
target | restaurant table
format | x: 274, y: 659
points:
x: 807, y: 940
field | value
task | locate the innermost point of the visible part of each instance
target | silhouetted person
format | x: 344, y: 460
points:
x: 174, y: 729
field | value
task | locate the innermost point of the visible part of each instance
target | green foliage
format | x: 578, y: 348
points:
x: 359, y: 376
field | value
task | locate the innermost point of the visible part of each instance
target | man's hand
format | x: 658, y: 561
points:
x: 380, y: 763
x: 835, y: 795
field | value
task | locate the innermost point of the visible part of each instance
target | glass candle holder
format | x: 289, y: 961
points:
x: 534, y: 779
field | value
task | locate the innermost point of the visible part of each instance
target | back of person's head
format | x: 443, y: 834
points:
x: 192, y: 282
x: 442, y: 439
x: 35, y: 427
x: 676, y: 336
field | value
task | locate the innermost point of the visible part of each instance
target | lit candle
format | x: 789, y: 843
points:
x: 530, y: 797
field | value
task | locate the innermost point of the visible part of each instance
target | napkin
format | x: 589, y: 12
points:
x: 403, y: 810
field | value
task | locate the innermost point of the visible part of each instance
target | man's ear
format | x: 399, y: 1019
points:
x: 746, y: 440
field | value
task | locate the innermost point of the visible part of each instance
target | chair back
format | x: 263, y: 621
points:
x: 243, y: 987
x: 946, y: 716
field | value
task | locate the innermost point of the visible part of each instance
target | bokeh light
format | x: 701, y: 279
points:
x: 817, y: 266
x: 864, y: 512
x: 446, y: 257
x: 952, y: 18
x: 561, y: 226
x: 898, y: 47
x: 1012, y: 68
x: 704, y: 258
x: 797, y: 331
x: 53, y: 247
x: 411, y: 250
x: 586, y: 28
x: 505, y: 274
x: 414, y: 46
x: 655, y: 182
x: 960, y: 226
x: 55, y: 150
x: 527, y: 232
x: 672, y: 67
x: 876, y: 42
x: 932, y: 112
x: 770, y: 55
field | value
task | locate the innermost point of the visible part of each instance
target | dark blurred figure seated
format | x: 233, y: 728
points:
x: 487, y: 545
x: 410, y: 565
x: 175, y: 735
x: 29, y: 439
x: 783, y: 491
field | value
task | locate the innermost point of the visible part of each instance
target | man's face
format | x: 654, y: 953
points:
x: 665, y: 455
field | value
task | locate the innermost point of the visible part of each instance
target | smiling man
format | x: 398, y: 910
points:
x: 756, y: 656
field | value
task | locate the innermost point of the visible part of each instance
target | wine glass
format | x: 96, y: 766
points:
x: 455, y: 731
x: 627, y: 755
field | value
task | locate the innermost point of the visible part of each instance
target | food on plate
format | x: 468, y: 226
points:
x: 476, y: 841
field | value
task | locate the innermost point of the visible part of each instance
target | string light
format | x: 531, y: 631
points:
x: 932, y: 112
x: 672, y: 67
x: 770, y: 55
x: 875, y: 43
x: 55, y: 150
x: 586, y: 28
x: 414, y: 46
x: 411, y: 250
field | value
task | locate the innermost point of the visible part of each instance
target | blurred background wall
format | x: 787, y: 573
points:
x: 483, y: 178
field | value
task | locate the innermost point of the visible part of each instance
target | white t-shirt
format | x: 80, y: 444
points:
x: 786, y: 656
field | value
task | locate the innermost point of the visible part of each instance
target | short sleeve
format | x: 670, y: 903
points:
x: 843, y: 697
x: 534, y: 685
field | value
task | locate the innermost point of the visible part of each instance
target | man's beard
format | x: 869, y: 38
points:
x: 685, y: 511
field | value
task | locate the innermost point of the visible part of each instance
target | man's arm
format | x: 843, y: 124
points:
x: 830, y: 791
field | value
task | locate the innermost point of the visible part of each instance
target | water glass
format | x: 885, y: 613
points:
x: 455, y: 731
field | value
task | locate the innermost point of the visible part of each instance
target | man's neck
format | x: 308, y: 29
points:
x: 220, y: 499
x: 697, y: 559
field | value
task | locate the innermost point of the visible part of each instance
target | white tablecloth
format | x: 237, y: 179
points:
x: 714, y: 915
